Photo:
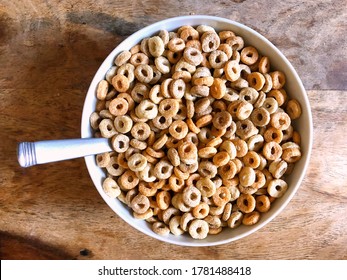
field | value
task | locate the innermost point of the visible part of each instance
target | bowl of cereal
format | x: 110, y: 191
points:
x: 210, y: 128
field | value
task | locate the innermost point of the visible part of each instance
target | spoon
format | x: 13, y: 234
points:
x: 33, y: 153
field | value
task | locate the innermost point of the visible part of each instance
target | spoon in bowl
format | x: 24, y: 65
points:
x: 33, y: 153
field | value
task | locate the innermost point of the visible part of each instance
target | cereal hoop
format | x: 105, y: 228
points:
x: 293, y: 86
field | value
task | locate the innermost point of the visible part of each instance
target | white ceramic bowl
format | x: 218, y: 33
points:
x: 294, y: 88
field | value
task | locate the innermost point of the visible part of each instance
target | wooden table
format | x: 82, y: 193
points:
x: 49, y: 52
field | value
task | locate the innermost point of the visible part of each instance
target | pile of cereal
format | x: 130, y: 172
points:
x: 201, y: 129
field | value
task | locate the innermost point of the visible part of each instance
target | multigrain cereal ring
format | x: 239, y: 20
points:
x: 123, y: 124
x: 273, y: 134
x: 192, y: 56
x: 291, y: 155
x: 140, y: 131
x: 249, y: 55
x: 163, y: 169
x: 264, y: 65
x: 107, y: 128
x: 144, y: 73
x: 217, y: 59
x: 268, y: 83
x: 221, y: 196
x: 163, y: 199
x: 168, y: 107
x: 277, y: 188
x: 280, y: 120
x: 218, y: 88
x: 147, y: 189
x: 177, y: 88
x: 156, y: 46
x: 278, y: 79
x: 160, y: 228
x: 102, y: 160
x: 206, y: 187
x: 221, y: 158
x: 235, y: 219
x: 138, y: 59
x: 191, y: 196
x: 247, y: 176
x: 263, y: 203
x: 122, y: 58
x: 176, y: 45
x: 207, y: 169
x: 251, y: 159
x: 102, y: 90
x: 256, y: 80
x: 137, y: 162
x: 111, y: 188
x: 118, y: 106
x: 210, y: 41
x: 198, y: 229
x: 120, y: 143
x: 272, y: 150
x: 201, y: 210
x: 222, y: 120
x: 270, y: 104
x: 162, y: 64
x: 260, y: 117
x: 146, y: 109
x: 278, y: 168
x: 250, y: 219
x: 236, y: 42
x: 178, y: 129
x: 120, y: 83
x: 246, y: 203
x: 279, y: 94
x: 185, y: 221
x: 293, y: 109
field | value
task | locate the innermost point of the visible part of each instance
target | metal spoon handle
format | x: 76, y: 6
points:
x: 32, y: 153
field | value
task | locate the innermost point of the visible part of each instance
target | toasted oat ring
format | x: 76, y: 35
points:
x: 102, y: 90
x: 187, y: 152
x: 163, y: 169
x: 198, y: 229
x: 250, y: 219
x: 160, y: 228
x: 186, y: 220
x: 178, y: 129
x: 245, y: 129
x: 162, y: 122
x: 218, y: 88
x: 155, y: 153
x: 206, y: 187
x: 118, y: 106
x: 140, y: 131
x: 227, y: 171
x: 173, y: 157
x: 278, y: 168
x: 128, y: 180
x: 138, y: 144
x: 256, y: 80
x: 176, y: 184
x: 293, y: 109
x: 246, y: 203
x: 260, y: 117
x: 222, y: 120
x: 280, y: 120
x: 204, y: 121
x: 168, y: 107
x: 207, y: 152
x: 176, y: 45
x: 272, y: 150
x: 162, y: 64
x: 146, y: 109
x: 122, y: 58
x: 221, y: 158
x: 279, y: 94
x: 160, y: 142
x: 270, y: 104
x: 291, y: 155
x: 277, y: 188
x: 174, y: 226
x: 147, y: 189
x: 210, y: 41
x: 249, y: 55
x: 156, y: 46
x: 244, y: 110
x: 251, y: 159
x: 111, y: 187
x: 120, y: 143
x: 107, y: 128
x: 201, y: 210
x: 235, y: 219
x: 192, y: 55
x: 263, y: 203
x: 222, y: 196
x: 191, y: 196
x: 278, y: 79
x: 163, y: 199
x: 247, y: 176
x: 273, y: 134
x: 102, y: 160
x: 192, y: 127
x: 137, y: 162
x: 120, y: 83
x: 128, y: 98
x: 217, y: 59
x: 123, y: 124
x: 138, y: 59
x: 207, y: 169
x: 177, y: 88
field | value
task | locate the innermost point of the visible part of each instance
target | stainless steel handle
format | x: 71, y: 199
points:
x: 32, y: 153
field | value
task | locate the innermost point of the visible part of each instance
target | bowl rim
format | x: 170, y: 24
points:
x: 85, y: 131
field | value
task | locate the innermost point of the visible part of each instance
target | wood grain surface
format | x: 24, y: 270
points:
x: 49, y: 52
